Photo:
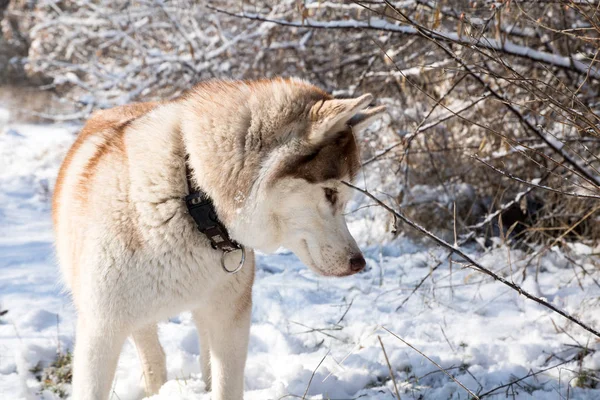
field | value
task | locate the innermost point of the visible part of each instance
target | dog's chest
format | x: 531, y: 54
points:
x: 185, y: 251
x: 167, y: 257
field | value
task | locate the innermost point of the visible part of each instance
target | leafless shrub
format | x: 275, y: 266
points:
x: 493, y: 127
x: 494, y: 122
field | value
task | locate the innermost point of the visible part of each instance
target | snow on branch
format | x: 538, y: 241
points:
x: 378, y: 24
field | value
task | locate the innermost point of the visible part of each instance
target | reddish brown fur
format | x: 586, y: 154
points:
x: 337, y: 159
x: 111, y: 125
x: 214, y: 87
x: 213, y: 96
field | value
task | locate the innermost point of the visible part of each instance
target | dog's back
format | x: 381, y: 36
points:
x: 99, y: 144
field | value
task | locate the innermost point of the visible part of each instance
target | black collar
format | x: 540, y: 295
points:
x: 202, y: 210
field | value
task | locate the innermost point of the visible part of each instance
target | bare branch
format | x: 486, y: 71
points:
x: 433, y: 362
x: 534, y: 184
x: 383, y: 25
x: 474, y: 263
x: 389, y: 368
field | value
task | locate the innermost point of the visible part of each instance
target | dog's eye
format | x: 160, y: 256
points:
x: 331, y: 195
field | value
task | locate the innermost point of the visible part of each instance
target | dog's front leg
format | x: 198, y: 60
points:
x: 152, y: 358
x: 228, y: 348
x: 226, y: 321
x: 204, y: 347
x: 97, y: 348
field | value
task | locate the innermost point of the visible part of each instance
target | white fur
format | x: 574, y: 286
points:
x: 132, y: 256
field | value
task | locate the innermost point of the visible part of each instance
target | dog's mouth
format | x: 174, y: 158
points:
x: 332, y: 274
x: 313, y: 265
x: 311, y: 260
x: 347, y: 272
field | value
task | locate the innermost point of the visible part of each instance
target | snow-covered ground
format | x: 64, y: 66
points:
x: 311, y: 334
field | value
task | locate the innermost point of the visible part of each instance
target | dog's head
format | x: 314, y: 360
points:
x: 299, y: 198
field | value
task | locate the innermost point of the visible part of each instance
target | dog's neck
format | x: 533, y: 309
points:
x: 235, y: 136
x: 226, y: 145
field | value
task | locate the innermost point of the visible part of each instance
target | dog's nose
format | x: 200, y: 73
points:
x: 357, y: 263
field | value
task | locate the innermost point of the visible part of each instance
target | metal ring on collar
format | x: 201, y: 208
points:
x: 239, y: 267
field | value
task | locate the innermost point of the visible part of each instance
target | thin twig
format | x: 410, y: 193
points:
x: 427, y: 33
x: 474, y: 263
x: 431, y: 361
x: 452, y: 37
x: 313, y: 375
x: 345, y: 312
x: 535, y: 185
x: 481, y: 396
x: 431, y: 271
x: 389, y: 368
x: 423, y: 128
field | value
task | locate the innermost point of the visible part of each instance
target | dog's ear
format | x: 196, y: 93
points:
x: 328, y: 117
x: 365, y: 118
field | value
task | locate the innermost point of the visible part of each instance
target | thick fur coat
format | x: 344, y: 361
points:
x: 271, y: 154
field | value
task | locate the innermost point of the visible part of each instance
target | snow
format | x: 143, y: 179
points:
x: 505, y: 46
x: 485, y: 334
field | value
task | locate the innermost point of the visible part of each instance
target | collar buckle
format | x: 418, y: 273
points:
x: 202, y: 210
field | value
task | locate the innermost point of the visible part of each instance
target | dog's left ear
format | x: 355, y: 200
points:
x: 365, y: 118
x: 328, y: 117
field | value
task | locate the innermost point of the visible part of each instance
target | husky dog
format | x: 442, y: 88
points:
x: 270, y: 154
